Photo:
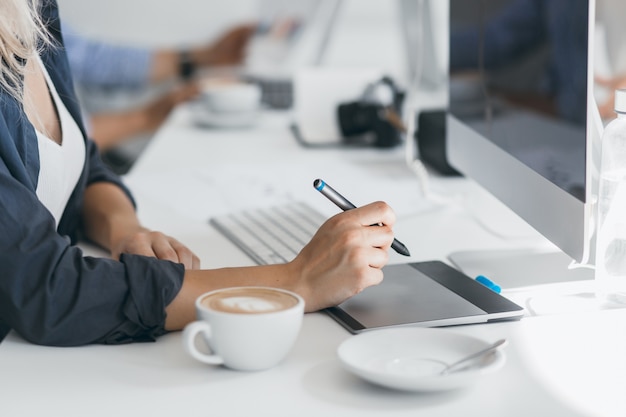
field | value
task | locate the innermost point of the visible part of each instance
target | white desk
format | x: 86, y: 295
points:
x: 557, y: 365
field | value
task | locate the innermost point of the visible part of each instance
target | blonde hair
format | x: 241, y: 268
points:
x: 21, y: 34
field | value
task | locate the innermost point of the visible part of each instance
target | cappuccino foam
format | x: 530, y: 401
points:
x: 249, y: 301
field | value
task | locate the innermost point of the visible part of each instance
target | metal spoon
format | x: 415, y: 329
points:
x: 463, y: 363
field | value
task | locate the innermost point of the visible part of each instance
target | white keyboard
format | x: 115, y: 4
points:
x: 271, y: 235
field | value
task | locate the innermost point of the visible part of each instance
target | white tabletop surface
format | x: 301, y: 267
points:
x: 562, y: 360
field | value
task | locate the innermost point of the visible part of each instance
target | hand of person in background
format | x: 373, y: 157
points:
x: 155, y: 113
x: 101, y: 66
x: 607, y: 108
x: 109, y: 129
x: 228, y: 50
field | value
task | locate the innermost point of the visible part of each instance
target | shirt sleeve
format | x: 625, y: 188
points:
x: 99, y: 64
x: 51, y: 294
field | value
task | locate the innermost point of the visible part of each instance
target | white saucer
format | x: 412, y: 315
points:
x: 206, y: 118
x: 411, y: 358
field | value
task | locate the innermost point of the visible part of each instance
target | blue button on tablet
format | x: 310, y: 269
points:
x: 489, y: 284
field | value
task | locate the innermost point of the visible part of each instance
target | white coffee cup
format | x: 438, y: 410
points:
x: 231, y: 98
x: 246, y: 328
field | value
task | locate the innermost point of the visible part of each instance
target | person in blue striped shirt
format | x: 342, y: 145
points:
x: 100, y: 65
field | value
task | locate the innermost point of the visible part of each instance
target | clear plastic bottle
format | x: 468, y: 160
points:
x: 610, y: 274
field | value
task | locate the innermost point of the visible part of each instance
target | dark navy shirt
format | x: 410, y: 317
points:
x: 49, y: 293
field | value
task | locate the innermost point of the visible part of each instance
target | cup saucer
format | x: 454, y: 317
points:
x: 204, y: 117
x: 411, y: 359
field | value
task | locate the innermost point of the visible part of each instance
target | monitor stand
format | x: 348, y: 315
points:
x: 515, y: 268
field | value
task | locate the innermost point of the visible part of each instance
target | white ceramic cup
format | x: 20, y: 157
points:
x: 231, y: 98
x: 246, y: 328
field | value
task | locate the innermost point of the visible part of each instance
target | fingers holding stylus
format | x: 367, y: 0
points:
x: 375, y: 221
x: 345, y: 256
x: 380, y: 214
x: 343, y: 203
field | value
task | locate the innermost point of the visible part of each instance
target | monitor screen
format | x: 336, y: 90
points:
x: 519, y: 114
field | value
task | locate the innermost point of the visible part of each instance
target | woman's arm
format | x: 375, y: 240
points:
x: 110, y: 221
x: 344, y: 257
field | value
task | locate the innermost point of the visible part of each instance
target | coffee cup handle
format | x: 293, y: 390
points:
x: 190, y: 334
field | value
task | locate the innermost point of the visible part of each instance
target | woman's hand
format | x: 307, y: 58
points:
x: 155, y: 244
x: 345, y: 256
x: 110, y: 221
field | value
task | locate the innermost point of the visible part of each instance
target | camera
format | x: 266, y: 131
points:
x: 375, y: 118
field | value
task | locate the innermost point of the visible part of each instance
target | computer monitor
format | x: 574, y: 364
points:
x: 521, y: 117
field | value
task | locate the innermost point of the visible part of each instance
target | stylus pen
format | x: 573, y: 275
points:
x: 341, y: 202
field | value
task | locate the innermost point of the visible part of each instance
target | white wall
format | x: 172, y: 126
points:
x: 368, y: 33
x: 155, y: 22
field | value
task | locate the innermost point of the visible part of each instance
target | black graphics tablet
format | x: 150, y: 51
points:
x: 426, y: 294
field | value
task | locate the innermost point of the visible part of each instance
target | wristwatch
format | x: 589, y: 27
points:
x: 186, y: 66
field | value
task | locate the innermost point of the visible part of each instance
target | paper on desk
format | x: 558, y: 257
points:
x: 201, y: 193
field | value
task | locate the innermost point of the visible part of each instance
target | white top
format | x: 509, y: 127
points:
x: 60, y: 165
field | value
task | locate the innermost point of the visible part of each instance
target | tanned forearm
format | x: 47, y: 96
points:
x: 108, y: 214
x: 182, y: 309
x: 110, y: 129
